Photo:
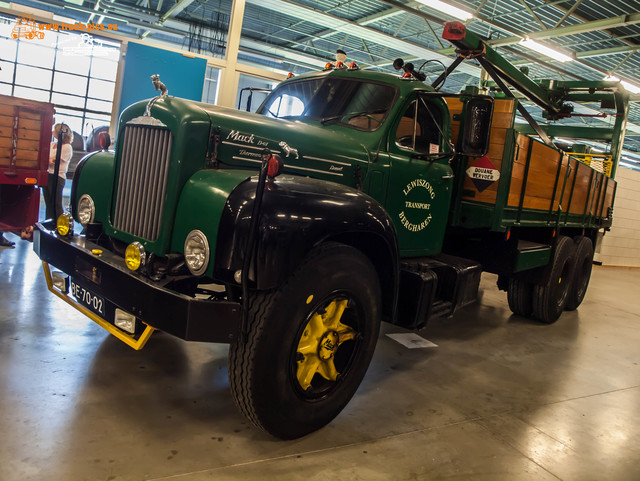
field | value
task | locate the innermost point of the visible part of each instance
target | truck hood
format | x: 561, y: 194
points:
x: 330, y: 152
x: 188, y: 130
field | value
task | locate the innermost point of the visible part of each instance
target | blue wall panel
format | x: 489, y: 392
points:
x: 183, y: 76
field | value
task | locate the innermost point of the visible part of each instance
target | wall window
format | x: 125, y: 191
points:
x: 252, y: 91
x: 75, y: 72
x: 211, y: 82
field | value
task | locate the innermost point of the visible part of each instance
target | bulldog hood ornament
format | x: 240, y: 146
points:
x: 158, y: 85
x: 146, y: 119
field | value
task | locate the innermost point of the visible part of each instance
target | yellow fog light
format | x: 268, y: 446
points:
x: 134, y: 256
x: 64, y: 224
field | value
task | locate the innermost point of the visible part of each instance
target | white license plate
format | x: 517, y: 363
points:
x: 88, y: 298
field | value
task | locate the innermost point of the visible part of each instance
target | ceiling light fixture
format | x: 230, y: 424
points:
x: 448, y: 9
x: 634, y: 89
x: 544, y: 50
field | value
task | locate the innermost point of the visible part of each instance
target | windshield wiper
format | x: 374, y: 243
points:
x: 286, y: 117
x: 350, y: 115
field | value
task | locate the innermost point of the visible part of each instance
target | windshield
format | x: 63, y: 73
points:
x: 352, y: 102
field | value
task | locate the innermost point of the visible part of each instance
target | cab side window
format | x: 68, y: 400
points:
x: 417, y: 129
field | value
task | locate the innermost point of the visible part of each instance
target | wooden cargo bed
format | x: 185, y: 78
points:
x: 25, y: 136
x: 523, y: 182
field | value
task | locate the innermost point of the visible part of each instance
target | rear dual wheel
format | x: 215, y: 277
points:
x: 581, y: 273
x: 309, y: 344
x: 520, y: 296
x: 565, y: 288
x: 550, y: 298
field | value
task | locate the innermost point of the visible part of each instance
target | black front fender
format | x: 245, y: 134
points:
x: 297, y: 214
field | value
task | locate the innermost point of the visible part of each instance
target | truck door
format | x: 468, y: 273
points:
x: 421, y: 179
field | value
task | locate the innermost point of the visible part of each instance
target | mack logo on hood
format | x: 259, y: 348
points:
x: 241, y: 137
x: 244, y: 138
x: 483, y: 173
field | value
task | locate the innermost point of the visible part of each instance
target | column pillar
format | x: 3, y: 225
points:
x: 229, y: 76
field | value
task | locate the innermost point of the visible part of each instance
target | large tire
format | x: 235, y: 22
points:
x: 520, y: 296
x: 550, y: 299
x: 309, y: 344
x: 581, y: 273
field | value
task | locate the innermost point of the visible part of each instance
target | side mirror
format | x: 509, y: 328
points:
x: 477, y: 127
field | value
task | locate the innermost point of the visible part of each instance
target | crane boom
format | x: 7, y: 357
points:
x: 555, y: 97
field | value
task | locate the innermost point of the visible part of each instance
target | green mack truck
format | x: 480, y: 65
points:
x: 352, y: 197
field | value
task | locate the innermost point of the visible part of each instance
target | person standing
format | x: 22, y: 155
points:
x: 4, y: 242
x: 53, y: 200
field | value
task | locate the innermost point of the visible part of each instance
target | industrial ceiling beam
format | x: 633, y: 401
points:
x: 568, y: 13
x: 178, y: 7
x: 607, y: 51
x: 562, y: 8
x: 533, y: 14
x: 175, y: 10
x: 602, y: 24
x: 364, y: 21
x: 291, y: 56
x: 345, y: 26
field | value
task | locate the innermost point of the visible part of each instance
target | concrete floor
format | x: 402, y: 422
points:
x: 500, y: 398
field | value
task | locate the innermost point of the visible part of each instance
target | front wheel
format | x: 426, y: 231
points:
x: 310, y: 343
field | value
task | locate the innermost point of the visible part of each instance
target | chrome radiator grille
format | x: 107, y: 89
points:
x: 142, y: 183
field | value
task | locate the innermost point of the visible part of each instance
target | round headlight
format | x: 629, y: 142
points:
x: 64, y: 224
x: 134, y: 256
x: 196, y: 252
x: 86, y: 209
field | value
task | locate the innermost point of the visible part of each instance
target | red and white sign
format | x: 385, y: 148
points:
x: 483, y: 173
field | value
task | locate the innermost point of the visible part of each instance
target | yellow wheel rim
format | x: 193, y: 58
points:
x: 320, y: 340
